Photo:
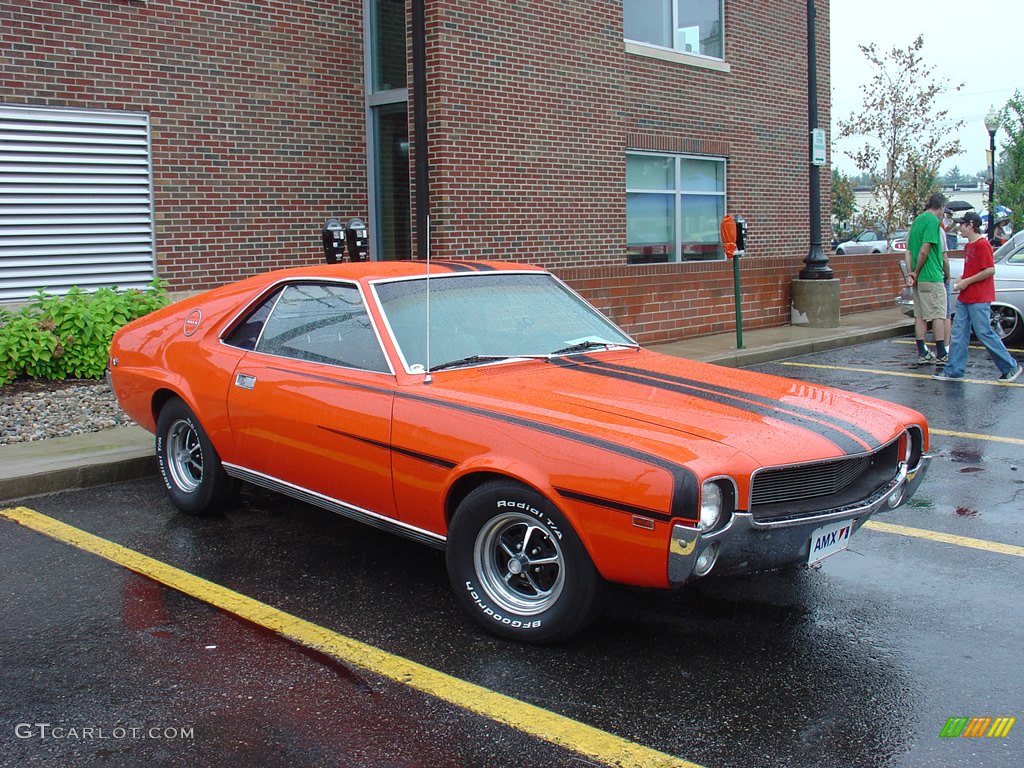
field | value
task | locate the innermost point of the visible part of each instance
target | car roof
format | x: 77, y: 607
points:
x: 382, y: 270
x: 377, y: 270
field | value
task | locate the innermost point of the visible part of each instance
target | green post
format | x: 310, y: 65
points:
x: 739, y: 308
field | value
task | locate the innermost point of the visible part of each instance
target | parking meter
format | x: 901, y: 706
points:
x: 357, y: 240
x: 733, y: 231
x: 741, y: 234
x: 333, y: 235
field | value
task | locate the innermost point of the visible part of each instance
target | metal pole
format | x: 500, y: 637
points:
x: 739, y: 306
x: 991, y: 190
x: 817, y: 267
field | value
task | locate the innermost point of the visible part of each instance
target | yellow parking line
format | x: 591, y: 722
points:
x: 975, y: 436
x: 946, y: 538
x: 540, y: 723
x: 993, y: 382
x: 972, y: 346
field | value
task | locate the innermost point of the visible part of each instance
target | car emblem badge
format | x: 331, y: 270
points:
x: 192, y: 321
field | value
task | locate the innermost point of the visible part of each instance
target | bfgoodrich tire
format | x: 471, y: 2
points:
x: 189, y: 464
x: 518, y: 568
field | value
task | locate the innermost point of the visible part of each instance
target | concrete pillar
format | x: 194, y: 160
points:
x: 815, y: 303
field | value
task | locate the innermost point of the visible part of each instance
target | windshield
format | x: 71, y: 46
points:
x: 480, y: 318
x: 1012, y: 245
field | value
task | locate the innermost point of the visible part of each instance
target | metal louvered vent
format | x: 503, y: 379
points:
x: 76, y: 203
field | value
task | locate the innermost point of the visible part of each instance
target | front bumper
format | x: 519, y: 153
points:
x: 745, y: 545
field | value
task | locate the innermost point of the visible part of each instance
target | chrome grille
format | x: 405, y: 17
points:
x: 806, y: 490
x: 791, y: 483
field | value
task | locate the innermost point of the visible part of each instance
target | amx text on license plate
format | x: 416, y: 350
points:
x: 829, y: 539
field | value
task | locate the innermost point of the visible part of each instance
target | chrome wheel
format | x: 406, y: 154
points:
x: 1005, y: 322
x: 520, y: 564
x: 184, y: 456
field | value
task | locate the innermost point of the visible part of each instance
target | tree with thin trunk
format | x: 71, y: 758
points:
x: 906, y: 136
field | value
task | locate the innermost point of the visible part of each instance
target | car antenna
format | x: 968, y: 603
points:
x: 427, y: 378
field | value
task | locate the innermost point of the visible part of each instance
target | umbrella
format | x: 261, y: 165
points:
x: 1002, y: 212
x: 958, y: 205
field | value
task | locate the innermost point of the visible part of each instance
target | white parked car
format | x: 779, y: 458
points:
x: 1008, y: 308
x: 868, y: 241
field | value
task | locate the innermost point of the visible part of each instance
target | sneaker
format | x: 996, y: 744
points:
x: 942, y: 360
x: 926, y: 358
x: 943, y: 377
x: 1014, y: 374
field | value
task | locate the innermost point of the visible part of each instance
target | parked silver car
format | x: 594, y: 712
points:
x: 1008, y: 308
x: 868, y: 241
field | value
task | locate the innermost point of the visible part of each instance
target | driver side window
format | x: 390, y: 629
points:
x: 319, y: 322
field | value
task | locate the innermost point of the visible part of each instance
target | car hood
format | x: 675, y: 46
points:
x: 642, y: 397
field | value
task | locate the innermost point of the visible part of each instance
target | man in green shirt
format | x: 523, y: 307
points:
x: 926, y: 274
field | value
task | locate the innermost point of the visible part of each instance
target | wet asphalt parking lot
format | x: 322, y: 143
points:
x: 861, y: 661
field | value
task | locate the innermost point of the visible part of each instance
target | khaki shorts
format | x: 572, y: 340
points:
x: 930, y: 301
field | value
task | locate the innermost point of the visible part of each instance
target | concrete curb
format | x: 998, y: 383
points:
x: 64, y: 463
x: 822, y: 343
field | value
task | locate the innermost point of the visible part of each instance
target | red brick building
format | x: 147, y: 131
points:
x: 603, y: 139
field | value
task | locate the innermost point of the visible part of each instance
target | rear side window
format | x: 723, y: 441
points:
x: 319, y: 322
x: 247, y: 333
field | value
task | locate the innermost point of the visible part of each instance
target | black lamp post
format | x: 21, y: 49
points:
x: 816, y: 263
x: 992, y: 125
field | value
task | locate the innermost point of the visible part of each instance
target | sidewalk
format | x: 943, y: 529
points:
x: 96, y: 458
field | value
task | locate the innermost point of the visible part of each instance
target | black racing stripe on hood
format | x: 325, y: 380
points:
x: 849, y: 438
x: 685, y: 491
x: 464, y: 266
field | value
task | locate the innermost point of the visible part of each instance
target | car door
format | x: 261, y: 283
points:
x: 1009, y: 280
x: 310, y: 402
x: 866, y: 242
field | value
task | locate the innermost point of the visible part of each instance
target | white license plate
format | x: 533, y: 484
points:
x: 829, y: 539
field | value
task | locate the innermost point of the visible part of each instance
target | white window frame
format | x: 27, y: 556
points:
x: 678, y: 192
x: 671, y: 53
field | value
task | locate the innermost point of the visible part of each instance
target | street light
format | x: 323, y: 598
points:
x: 992, y: 125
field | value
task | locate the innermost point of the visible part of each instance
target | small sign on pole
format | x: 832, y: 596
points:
x: 818, y: 146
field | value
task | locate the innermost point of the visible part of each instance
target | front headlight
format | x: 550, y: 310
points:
x: 710, y: 506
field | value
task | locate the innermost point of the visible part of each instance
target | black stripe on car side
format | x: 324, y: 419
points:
x: 564, y: 492
x: 618, y: 506
x: 684, y: 482
x: 435, y: 460
x: 835, y: 431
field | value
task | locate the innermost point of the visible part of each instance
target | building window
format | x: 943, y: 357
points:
x: 388, y: 131
x: 674, y: 207
x: 76, y: 200
x: 687, y: 26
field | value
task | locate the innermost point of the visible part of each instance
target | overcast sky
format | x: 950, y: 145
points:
x: 956, y: 43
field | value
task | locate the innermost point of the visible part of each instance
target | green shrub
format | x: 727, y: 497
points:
x: 60, y: 337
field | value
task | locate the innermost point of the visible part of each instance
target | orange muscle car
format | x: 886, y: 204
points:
x: 486, y: 409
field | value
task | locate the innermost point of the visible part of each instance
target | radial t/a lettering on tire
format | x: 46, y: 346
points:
x: 191, y: 469
x: 518, y: 567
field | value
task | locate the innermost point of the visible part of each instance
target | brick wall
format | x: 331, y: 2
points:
x: 533, y: 106
x: 659, y: 303
x: 255, y: 115
x: 526, y: 128
x: 258, y: 135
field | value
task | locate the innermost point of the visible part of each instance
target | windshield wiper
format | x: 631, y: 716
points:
x: 583, y: 346
x: 468, y: 361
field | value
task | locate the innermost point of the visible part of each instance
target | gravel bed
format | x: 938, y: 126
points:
x: 35, y: 410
